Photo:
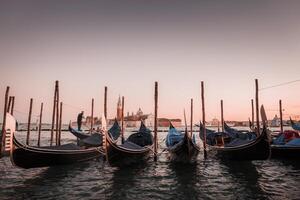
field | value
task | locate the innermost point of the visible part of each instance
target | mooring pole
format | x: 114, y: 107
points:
x: 252, y: 109
x: 155, y: 120
x: 280, y: 113
x: 29, y: 122
x: 2, y: 147
x: 257, y: 108
x: 53, y: 113
x: 122, y: 120
x: 191, y: 128
x: 40, y: 125
x: 9, y: 104
x: 60, y: 123
x: 105, y: 116
x: 105, y: 102
x: 203, y: 119
x: 92, y: 116
x: 222, y: 116
x: 12, y: 106
x: 57, y: 115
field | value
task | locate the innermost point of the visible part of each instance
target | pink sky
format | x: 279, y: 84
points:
x: 127, y: 46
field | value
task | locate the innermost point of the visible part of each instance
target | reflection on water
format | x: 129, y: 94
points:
x: 206, y: 179
x: 246, y: 177
x: 185, y: 180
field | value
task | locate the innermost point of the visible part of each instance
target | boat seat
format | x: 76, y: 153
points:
x: 94, y: 140
x: 131, y: 145
x: 237, y: 142
x: 69, y: 146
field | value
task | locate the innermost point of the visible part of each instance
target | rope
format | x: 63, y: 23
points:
x: 278, y: 85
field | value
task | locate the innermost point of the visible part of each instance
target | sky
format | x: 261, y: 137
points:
x: 127, y: 45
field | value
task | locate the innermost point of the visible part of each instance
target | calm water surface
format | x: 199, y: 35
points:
x: 207, y: 179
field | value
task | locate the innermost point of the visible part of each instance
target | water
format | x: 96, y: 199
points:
x: 207, y: 179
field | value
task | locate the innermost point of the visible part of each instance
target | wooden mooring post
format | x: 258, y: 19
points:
x: 12, y: 106
x: 9, y: 104
x: 92, y: 116
x: 60, y: 123
x: 280, y: 114
x: 191, y: 129
x: 57, y: 115
x: 252, y: 115
x: 191, y: 122
x: 222, y: 116
x: 40, y: 125
x: 53, y: 113
x: 203, y: 118
x: 122, y: 120
x: 105, y: 121
x: 257, y: 108
x: 155, y: 119
x: 29, y: 122
x: 105, y: 102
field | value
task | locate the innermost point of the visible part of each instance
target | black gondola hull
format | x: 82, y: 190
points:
x: 256, y: 150
x: 118, y: 156
x: 285, y: 152
x: 182, y: 152
x: 32, y: 157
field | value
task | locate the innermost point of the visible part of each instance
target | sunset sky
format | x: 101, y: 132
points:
x: 128, y: 45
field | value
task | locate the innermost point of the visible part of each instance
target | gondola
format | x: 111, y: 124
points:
x: 287, y: 144
x: 290, y: 150
x: 180, y: 146
x: 258, y: 149
x: 25, y: 156
x: 87, y: 140
x: 79, y: 134
x: 135, y: 149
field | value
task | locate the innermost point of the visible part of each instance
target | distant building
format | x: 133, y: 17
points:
x: 275, y: 121
x: 164, y: 122
x: 88, y: 120
x: 134, y: 120
x: 215, y: 122
x: 119, y: 109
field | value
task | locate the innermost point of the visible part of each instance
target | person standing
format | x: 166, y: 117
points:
x: 79, y: 120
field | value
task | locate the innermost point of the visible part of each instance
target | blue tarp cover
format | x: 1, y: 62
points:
x: 173, y: 137
x: 279, y: 140
x: 294, y: 142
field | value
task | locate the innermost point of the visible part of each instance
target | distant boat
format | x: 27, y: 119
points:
x: 181, y: 147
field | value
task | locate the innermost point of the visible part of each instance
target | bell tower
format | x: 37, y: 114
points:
x: 119, y: 109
